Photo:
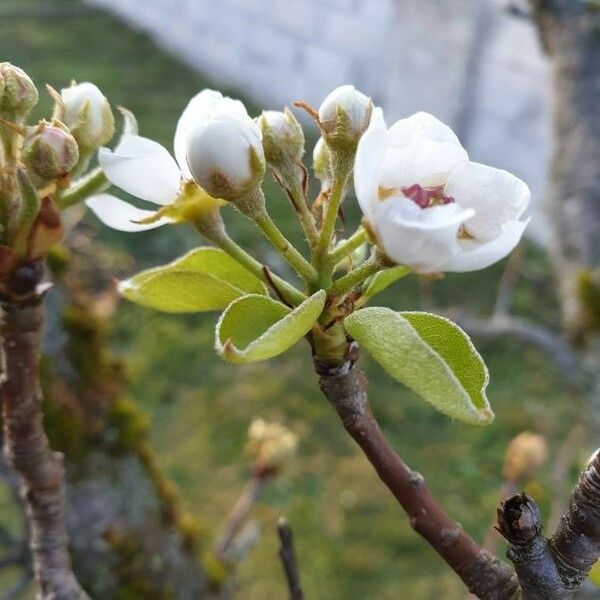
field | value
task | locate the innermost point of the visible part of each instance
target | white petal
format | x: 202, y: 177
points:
x: 497, y: 196
x: 370, y: 154
x: 142, y: 168
x: 421, y: 239
x: 76, y: 97
x: 475, y: 256
x: 118, y: 214
x: 424, y: 161
x: 406, y: 131
x: 204, y: 106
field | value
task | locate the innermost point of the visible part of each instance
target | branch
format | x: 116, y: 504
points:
x: 27, y: 450
x: 482, y: 573
x: 287, y: 554
x: 554, y: 569
x: 238, y: 515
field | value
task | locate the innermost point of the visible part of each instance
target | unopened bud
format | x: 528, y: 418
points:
x: 87, y: 113
x: 226, y: 158
x: 344, y: 116
x: 270, y: 445
x: 18, y: 94
x: 524, y: 456
x: 50, y: 151
x: 322, y: 163
x: 282, y: 138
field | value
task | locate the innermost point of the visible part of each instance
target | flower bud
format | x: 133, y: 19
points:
x: 225, y: 157
x: 50, y: 151
x: 87, y: 113
x: 344, y: 116
x: 282, y: 138
x: 524, y: 456
x: 322, y: 163
x: 270, y: 445
x: 18, y: 94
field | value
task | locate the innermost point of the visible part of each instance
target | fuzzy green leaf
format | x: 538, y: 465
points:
x: 430, y: 355
x: 257, y: 327
x: 201, y: 280
x: 380, y: 281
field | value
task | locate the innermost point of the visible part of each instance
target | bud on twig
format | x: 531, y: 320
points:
x: 226, y: 157
x: 270, y: 444
x: 50, y: 151
x: 322, y: 163
x: 282, y: 138
x: 525, y: 454
x: 18, y: 94
x: 344, y: 116
x: 87, y: 113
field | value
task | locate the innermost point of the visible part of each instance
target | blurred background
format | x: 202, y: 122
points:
x: 476, y: 65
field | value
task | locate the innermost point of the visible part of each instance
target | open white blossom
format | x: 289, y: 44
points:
x: 429, y: 207
x: 146, y: 170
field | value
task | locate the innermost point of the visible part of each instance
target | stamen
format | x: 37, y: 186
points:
x: 426, y: 197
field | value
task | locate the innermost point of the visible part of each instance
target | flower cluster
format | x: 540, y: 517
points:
x: 426, y: 205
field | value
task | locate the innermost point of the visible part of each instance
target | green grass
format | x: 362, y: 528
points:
x: 353, y: 540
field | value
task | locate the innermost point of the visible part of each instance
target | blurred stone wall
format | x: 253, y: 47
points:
x: 470, y: 62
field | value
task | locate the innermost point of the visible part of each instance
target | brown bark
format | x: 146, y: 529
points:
x: 483, y: 574
x: 287, y: 555
x: 27, y: 449
x: 555, y: 568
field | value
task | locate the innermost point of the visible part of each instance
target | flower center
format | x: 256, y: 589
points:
x: 426, y: 197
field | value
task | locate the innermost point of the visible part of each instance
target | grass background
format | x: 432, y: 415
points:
x: 353, y: 540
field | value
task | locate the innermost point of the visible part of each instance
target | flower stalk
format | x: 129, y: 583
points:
x: 341, y: 171
x: 346, y: 247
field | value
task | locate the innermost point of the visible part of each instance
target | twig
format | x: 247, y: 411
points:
x: 482, y: 573
x: 554, y: 569
x: 238, y: 515
x: 287, y: 554
x: 27, y: 450
x: 563, y: 460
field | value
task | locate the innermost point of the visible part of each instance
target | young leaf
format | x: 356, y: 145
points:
x: 380, y: 281
x: 430, y: 355
x: 256, y: 327
x: 203, y: 279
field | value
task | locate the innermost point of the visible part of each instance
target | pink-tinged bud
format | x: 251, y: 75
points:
x: 18, y: 94
x: 50, y: 151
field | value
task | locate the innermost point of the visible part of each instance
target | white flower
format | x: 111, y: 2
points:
x: 86, y: 111
x: 145, y: 169
x: 431, y: 208
x: 355, y: 105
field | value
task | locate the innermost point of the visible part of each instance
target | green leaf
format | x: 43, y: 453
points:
x: 201, y: 280
x: 256, y: 327
x: 428, y: 354
x: 380, y: 281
